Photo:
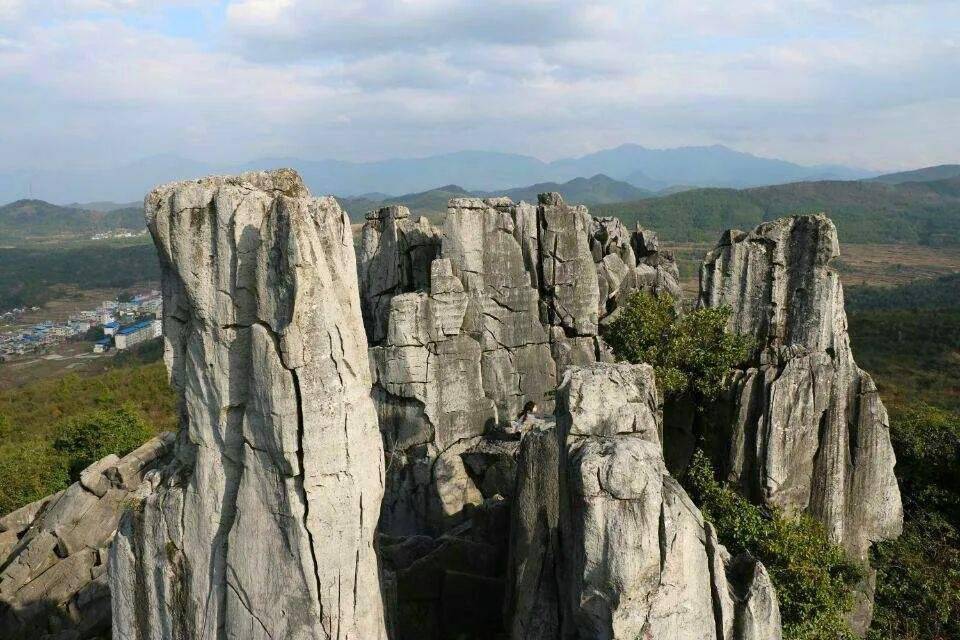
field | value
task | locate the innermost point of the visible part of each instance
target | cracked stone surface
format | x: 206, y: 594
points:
x: 53, y: 552
x: 262, y: 526
x: 514, y: 294
x: 802, y: 427
x: 605, y: 544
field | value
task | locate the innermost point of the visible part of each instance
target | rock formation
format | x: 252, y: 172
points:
x: 53, y: 552
x: 802, y: 428
x: 477, y: 319
x: 808, y: 429
x: 605, y: 544
x: 467, y: 323
x: 263, y: 524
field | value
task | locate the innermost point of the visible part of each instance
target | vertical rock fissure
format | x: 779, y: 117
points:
x: 302, y: 488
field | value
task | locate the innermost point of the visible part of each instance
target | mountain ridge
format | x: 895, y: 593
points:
x: 643, y: 167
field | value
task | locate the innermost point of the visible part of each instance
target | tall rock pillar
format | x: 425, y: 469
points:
x: 263, y: 525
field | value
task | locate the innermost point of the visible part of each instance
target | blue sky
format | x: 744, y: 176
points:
x: 874, y: 84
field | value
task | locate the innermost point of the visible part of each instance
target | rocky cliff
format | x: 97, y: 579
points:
x: 262, y: 526
x: 470, y: 321
x: 802, y: 427
x: 53, y: 552
x: 605, y: 544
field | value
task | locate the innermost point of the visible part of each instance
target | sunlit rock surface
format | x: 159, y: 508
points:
x: 605, y: 544
x: 263, y: 524
x: 803, y: 427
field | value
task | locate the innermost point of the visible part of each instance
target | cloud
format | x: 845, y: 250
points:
x: 862, y: 82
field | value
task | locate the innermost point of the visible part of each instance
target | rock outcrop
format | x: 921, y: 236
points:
x: 467, y: 323
x: 263, y: 524
x: 605, y: 544
x: 803, y: 427
x: 53, y: 552
x: 478, y: 318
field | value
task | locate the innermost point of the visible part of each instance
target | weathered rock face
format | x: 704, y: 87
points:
x: 263, y: 524
x: 803, y: 428
x: 606, y: 544
x: 515, y: 294
x: 53, y: 552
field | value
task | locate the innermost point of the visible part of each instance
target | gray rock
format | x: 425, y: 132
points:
x: 53, y: 570
x: 802, y: 428
x: 263, y: 524
x: 393, y: 256
x: 513, y: 297
x: 606, y: 544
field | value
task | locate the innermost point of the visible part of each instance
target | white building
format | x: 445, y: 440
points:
x: 137, y: 333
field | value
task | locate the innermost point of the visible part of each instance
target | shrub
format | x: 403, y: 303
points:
x: 29, y: 470
x: 813, y: 578
x: 690, y: 352
x: 84, y: 439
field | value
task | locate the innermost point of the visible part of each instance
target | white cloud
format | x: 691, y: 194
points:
x: 810, y: 80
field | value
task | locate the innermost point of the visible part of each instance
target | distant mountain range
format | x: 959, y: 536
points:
x: 650, y: 169
x: 35, y: 218
x: 864, y: 211
x: 599, y: 189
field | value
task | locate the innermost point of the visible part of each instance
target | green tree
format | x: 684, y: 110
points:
x: 813, y: 578
x: 86, y: 438
x: 690, y: 352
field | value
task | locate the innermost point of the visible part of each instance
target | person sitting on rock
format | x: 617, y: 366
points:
x: 526, y: 418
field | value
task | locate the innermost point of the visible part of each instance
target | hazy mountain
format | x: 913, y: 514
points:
x: 36, y: 218
x: 645, y: 168
x: 105, y: 206
x: 433, y: 202
x: 599, y: 189
x: 864, y: 211
x: 927, y: 174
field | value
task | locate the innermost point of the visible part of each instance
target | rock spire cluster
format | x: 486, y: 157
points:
x: 348, y: 464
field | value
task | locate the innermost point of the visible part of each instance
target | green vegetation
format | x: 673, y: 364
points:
x: 51, y: 429
x: 864, y: 212
x: 34, y: 219
x: 908, y: 338
x: 32, y: 276
x: 691, y: 352
x: 813, y: 578
x: 937, y: 293
x: 918, y: 575
x: 84, y: 439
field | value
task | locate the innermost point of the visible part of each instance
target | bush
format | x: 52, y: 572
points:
x: 84, y: 439
x: 690, y: 352
x: 813, y: 578
x: 29, y: 471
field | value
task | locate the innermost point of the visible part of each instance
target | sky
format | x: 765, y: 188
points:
x: 873, y: 83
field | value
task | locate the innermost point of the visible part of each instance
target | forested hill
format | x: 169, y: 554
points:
x: 864, y: 212
x: 38, y: 219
